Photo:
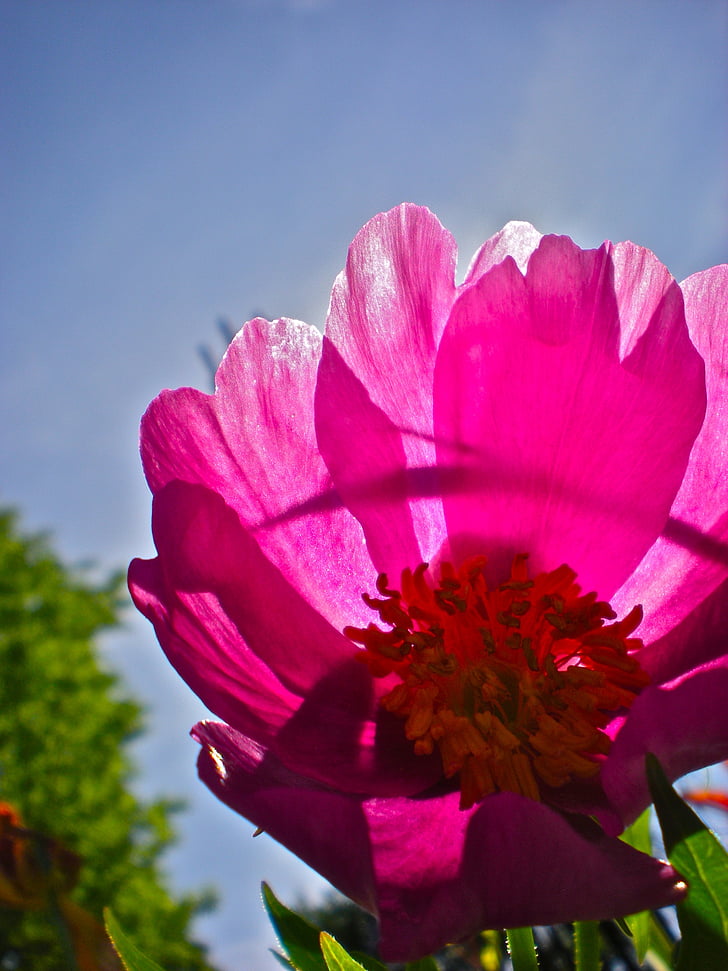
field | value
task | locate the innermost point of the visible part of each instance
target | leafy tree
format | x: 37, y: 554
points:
x: 63, y: 762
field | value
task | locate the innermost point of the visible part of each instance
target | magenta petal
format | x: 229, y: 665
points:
x: 516, y: 239
x: 569, y: 427
x: 203, y: 548
x: 510, y: 862
x: 684, y: 723
x: 388, y: 309
x: 370, y: 470
x: 253, y: 443
x: 265, y: 660
x: 699, y: 638
x: 326, y: 829
x: 690, y: 559
x: 429, y: 871
x: 206, y: 649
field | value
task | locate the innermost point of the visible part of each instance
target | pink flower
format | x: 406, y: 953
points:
x: 435, y: 740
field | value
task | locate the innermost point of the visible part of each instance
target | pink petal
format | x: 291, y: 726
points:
x: 365, y: 454
x: 253, y: 443
x: 374, y: 393
x: 699, y: 638
x: 516, y: 239
x: 260, y: 656
x: 203, y: 548
x: 432, y: 873
x: 324, y: 828
x: 201, y: 643
x: 684, y: 723
x: 690, y: 558
x: 510, y: 862
x: 566, y: 415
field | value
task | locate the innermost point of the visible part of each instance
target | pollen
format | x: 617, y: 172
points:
x: 513, y: 686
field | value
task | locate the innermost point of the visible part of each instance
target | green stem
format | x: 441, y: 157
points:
x: 586, y: 945
x: 522, y: 949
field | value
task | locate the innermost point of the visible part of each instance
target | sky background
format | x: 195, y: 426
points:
x: 166, y: 163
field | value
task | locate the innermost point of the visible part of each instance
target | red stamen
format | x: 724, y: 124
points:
x: 515, y: 685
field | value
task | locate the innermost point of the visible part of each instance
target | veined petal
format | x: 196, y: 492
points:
x: 566, y: 416
x: 253, y: 443
x: 369, y: 466
x: 690, y: 559
x: 374, y: 392
x: 517, y: 239
x: 241, y: 651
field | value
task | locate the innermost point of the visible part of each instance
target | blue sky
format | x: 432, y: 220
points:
x: 168, y: 162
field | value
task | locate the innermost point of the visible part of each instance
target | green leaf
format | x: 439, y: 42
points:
x: 370, y: 963
x: 695, y: 852
x: 587, y: 947
x: 299, y: 939
x: 640, y: 925
x: 638, y: 834
x: 284, y: 962
x: 651, y: 941
x: 521, y: 949
x: 335, y: 956
x: 424, y: 964
x: 640, y: 929
x: 131, y: 957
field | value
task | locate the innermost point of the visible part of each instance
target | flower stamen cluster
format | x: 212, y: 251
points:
x: 514, y: 685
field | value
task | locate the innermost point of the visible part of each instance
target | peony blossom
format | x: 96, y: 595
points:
x: 449, y: 572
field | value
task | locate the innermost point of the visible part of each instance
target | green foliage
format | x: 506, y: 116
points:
x: 131, y: 957
x: 299, y: 938
x: 353, y: 928
x: 696, y: 854
x: 302, y: 941
x: 336, y: 957
x: 63, y: 765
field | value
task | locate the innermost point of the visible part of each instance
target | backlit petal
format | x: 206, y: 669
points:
x: 684, y: 723
x: 374, y: 394
x: 253, y: 443
x: 690, y: 558
x: 430, y: 872
x: 567, y: 417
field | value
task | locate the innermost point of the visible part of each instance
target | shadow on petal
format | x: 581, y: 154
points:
x: 326, y: 829
x: 345, y: 739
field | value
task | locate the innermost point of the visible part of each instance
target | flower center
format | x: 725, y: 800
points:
x: 514, y: 685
